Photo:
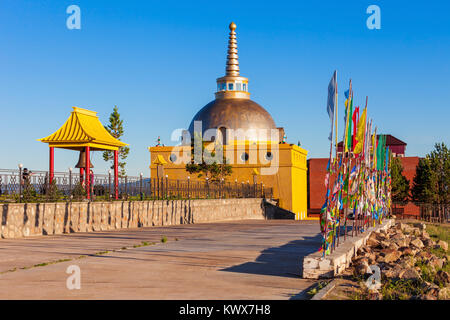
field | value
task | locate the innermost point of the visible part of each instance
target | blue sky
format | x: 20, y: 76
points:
x: 158, y: 61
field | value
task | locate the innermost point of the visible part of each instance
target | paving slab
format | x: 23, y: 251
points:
x: 252, y: 259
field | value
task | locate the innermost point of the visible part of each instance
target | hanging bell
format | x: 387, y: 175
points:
x: 82, y: 160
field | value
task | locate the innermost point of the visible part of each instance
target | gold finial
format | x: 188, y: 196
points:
x: 232, y: 85
x: 232, y: 68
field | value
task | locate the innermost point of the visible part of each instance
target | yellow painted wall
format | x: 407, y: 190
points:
x: 288, y: 183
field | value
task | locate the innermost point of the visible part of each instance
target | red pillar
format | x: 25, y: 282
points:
x: 88, y: 173
x: 82, y: 176
x: 116, y: 174
x: 52, y: 164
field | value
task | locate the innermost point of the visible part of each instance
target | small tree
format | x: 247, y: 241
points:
x: 421, y: 191
x: 440, y: 179
x: 208, y: 168
x: 115, y: 128
x: 432, y: 181
x: 399, y: 183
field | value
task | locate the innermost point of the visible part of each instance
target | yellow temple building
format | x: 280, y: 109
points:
x: 252, y: 143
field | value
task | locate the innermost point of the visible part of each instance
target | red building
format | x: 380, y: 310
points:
x: 317, y: 171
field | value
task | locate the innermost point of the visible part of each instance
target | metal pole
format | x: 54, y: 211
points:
x: 70, y: 184
x: 109, y: 185
x: 20, y: 182
x: 126, y: 187
x: 140, y: 187
x: 188, y: 186
x: 167, y: 186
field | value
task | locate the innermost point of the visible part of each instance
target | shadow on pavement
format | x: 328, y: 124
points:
x: 282, y: 261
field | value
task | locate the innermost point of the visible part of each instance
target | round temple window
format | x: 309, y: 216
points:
x: 244, y: 156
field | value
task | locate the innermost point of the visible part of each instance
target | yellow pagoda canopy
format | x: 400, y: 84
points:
x: 83, y: 129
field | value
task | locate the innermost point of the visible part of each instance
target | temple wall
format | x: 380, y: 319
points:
x: 288, y: 177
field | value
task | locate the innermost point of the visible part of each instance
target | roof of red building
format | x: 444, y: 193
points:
x: 390, y: 141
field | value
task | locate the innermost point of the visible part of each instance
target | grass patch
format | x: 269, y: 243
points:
x: 439, y: 232
x: 100, y: 253
x: 320, y: 285
x: 143, y: 244
x: 427, y: 272
x: 49, y: 263
x: 359, y: 294
x: 401, y: 289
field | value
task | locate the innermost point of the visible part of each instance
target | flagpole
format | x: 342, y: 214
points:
x: 328, y: 181
x: 346, y: 155
x: 336, y: 160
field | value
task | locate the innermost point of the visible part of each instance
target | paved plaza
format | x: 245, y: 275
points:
x: 251, y: 259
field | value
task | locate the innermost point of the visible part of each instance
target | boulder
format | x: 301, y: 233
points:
x: 409, y: 273
x: 417, y: 243
x: 416, y: 231
x: 375, y: 295
x: 392, y: 256
x: 429, y: 243
x: 401, y: 242
x: 362, y: 268
x: 372, y: 257
x: 392, y: 272
x: 407, y: 251
x: 373, y: 241
x: 444, y: 294
x: 437, y: 262
x: 393, y: 246
x: 405, y: 227
x: 424, y: 235
x: 442, y: 277
x: 427, y: 297
x: 434, y: 291
x: 407, y: 263
x: 424, y: 256
x: 443, y: 244
x: 421, y: 226
x: 384, y: 243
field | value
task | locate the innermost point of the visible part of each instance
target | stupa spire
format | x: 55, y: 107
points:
x: 232, y: 68
x: 232, y: 85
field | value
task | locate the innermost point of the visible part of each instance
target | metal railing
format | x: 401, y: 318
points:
x: 430, y: 212
x: 67, y: 186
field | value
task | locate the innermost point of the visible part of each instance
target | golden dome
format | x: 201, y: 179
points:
x: 233, y: 114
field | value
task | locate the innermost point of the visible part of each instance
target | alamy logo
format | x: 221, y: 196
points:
x: 74, y: 280
x: 74, y: 20
x: 374, y: 281
x: 374, y: 20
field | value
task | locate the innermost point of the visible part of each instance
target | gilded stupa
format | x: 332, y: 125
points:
x: 268, y: 161
x: 233, y: 108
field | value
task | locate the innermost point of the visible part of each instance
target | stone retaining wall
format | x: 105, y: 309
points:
x: 316, y: 266
x: 35, y: 219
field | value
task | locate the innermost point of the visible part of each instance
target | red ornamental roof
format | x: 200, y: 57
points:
x: 390, y: 141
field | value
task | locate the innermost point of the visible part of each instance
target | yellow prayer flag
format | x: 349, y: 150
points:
x: 360, y: 132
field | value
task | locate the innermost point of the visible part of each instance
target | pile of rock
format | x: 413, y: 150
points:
x: 398, y: 250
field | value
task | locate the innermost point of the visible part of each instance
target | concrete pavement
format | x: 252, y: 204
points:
x: 252, y: 259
